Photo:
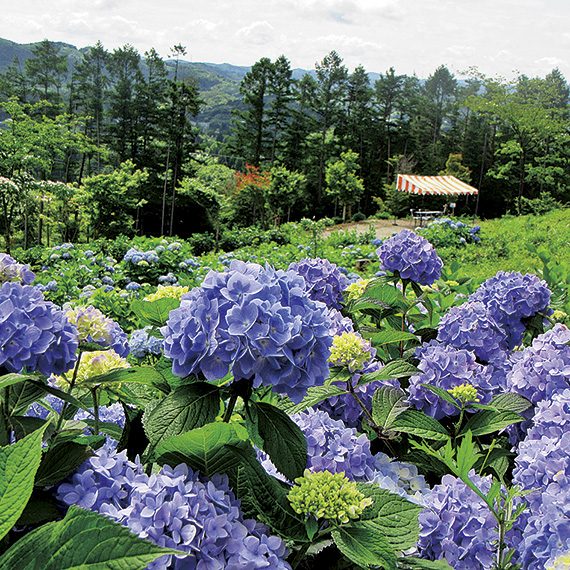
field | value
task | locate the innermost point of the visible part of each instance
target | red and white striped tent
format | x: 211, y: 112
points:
x: 434, y: 185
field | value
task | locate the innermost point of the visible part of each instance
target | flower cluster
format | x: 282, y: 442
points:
x: 561, y: 562
x: 324, y: 280
x: 339, y: 323
x: 137, y: 257
x: 96, y: 363
x: 351, y: 351
x: 355, y: 290
x: 471, y: 326
x: 34, y: 333
x: 512, y: 297
x: 543, y: 368
x: 542, y: 467
x: 256, y: 322
x: 142, y: 343
x: 167, y: 292
x: 447, y: 367
x: 334, y: 447
x: 457, y: 525
x: 175, y: 508
x: 412, y: 257
x: 329, y: 496
x: 11, y: 270
x: 95, y: 328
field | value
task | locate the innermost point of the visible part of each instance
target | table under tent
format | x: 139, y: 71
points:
x: 448, y: 186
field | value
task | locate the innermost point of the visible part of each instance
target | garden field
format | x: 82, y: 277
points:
x: 292, y: 398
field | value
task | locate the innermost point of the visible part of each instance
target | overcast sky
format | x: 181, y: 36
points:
x: 500, y: 37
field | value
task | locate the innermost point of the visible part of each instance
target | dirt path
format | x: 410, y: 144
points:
x: 383, y: 228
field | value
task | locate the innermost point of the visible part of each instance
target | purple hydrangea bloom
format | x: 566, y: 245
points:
x: 339, y: 323
x: 471, y: 326
x: 412, y: 257
x: 334, y: 447
x: 34, y: 333
x: 544, y: 532
x: 11, y: 270
x: 457, y: 525
x: 542, y: 466
x: 325, y: 282
x: 175, y: 508
x: 512, y: 297
x: 543, y: 368
x: 446, y: 367
x: 142, y: 344
x: 255, y: 322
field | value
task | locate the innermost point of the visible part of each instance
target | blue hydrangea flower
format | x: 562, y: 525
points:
x: 471, y: 326
x: 339, y: 323
x: 135, y: 256
x: 255, y: 322
x: 324, y: 280
x: 446, y: 367
x: 334, y: 447
x: 133, y: 286
x: 544, y: 533
x: 457, y: 525
x: 95, y: 328
x: 512, y: 297
x: 34, y: 333
x: 142, y: 344
x: 175, y: 508
x: 11, y: 270
x: 552, y: 417
x: 412, y: 257
x: 543, y: 368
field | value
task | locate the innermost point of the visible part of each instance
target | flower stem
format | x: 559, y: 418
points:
x: 231, y: 405
x: 69, y: 390
x: 95, y: 396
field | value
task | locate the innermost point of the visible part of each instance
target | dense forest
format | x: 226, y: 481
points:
x: 109, y: 142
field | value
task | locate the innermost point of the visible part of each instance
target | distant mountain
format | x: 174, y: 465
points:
x: 218, y: 83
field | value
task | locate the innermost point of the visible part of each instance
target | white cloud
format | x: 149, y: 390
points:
x: 257, y: 33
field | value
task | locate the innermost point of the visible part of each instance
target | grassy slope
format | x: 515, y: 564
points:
x: 514, y: 243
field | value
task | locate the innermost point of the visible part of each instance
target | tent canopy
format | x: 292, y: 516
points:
x: 434, y: 185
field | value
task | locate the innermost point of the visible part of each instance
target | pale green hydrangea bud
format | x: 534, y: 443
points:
x: 465, y: 393
x: 356, y: 290
x: 350, y: 350
x: 328, y: 496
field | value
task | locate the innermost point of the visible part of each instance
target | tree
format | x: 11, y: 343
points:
x: 46, y: 71
x: 279, y: 113
x: 11, y: 199
x: 454, y: 167
x: 111, y: 200
x: 285, y: 190
x: 343, y: 184
x: 251, y: 128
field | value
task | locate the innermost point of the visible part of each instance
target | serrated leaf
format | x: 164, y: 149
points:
x: 12, y: 379
x: 383, y: 338
x: 188, y: 407
x: 315, y: 395
x: 417, y: 423
x: 490, y: 421
x: 365, y: 546
x: 204, y: 449
x: 18, y: 465
x: 154, y: 313
x: 59, y: 461
x: 83, y: 539
x: 136, y: 374
x: 511, y: 402
x: 392, y: 370
x: 263, y: 497
x: 466, y: 455
x: 443, y: 394
x: 388, y: 403
x: 42, y: 507
x: 395, y: 517
x: 283, y: 439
